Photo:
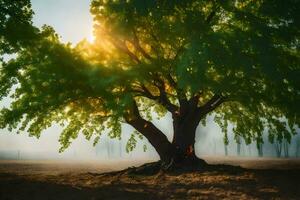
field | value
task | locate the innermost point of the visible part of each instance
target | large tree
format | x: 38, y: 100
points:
x: 236, y: 60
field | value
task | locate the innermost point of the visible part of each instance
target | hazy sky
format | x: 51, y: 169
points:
x: 70, y: 18
x: 73, y: 22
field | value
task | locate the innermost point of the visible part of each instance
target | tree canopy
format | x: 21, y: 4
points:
x: 237, y: 60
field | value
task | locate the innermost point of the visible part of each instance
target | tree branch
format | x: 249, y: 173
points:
x: 212, y: 14
x: 162, y: 98
x: 212, y: 104
x: 195, y: 100
x: 138, y: 46
x: 180, y: 94
x: 122, y: 46
x: 160, y: 84
x: 158, y: 140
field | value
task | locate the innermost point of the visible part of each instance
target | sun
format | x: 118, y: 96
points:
x: 91, y: 38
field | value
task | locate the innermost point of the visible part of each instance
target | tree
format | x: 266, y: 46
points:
x: 260, y: 150
x: 278, y: 148
x: 286, y: 148
x: 16, y: 28
x: 235, y: 60
x: 297, y: 149
x: 238, y: 145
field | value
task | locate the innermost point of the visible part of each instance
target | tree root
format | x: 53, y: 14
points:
x: 188, y: 165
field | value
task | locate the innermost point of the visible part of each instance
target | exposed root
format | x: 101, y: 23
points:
x: 189, y: 165
x: 147, y: 169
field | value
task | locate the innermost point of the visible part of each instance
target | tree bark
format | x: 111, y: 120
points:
x: 185, y: 122
x: 156, y: 138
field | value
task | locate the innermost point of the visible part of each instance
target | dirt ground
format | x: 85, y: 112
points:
x: 259, y: 179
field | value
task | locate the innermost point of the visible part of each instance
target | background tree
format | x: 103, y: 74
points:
x: 286, y: 148
x: 260, y: 150
x: 237, y: 60
x: 278, y: 147
x: 238, y: 145
x: 297, y: 150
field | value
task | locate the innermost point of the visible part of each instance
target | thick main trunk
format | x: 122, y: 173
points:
x: 184, y: 136
x: 185, y: 123
x: 181, y: 151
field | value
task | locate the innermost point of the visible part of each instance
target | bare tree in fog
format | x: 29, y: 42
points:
x: 278, y: 147
x: 238, y: 145
x: 226, y: 142
x: 249, y: 149
x: 286, y: 148
x: 260, y: 149
x: 297, y: 150
x: 226, y: 149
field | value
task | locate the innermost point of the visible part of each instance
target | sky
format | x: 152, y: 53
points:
x: 73, y: 22
x: 70, y: 18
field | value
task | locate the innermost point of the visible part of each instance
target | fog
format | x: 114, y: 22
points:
x: 209, y: 142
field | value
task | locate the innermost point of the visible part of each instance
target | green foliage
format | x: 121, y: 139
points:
x: 16, y: 27
x: 145, y: 148
x: 115, y: 128
x: 96, y: 140
x: 131, y: 143
x: 54, y: 84
x: 247, y: 51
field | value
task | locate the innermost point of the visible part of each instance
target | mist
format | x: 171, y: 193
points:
x: 209, y: 142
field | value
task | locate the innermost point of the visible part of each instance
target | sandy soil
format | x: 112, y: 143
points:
x: 267, y: 179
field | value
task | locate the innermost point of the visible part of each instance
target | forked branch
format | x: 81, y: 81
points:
x: 212, y: 104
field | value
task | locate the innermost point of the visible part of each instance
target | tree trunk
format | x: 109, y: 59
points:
x: 185, y: 124
x: 184, y: 138
x: 180, y: 153
x: 157, y: 139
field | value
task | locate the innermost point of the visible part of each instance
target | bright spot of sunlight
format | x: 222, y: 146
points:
x: 91, y: 38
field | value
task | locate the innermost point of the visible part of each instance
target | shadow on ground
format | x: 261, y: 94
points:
x: 214, y: 183
x: 12, y: 187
